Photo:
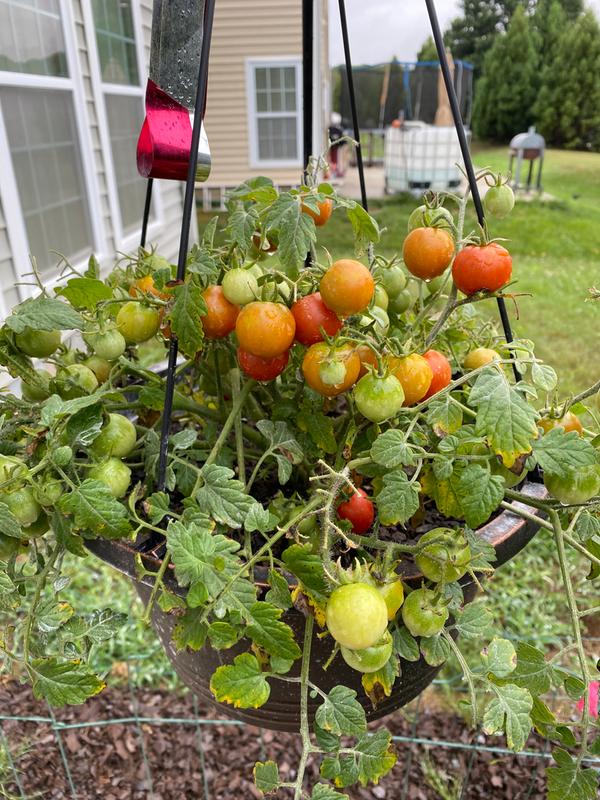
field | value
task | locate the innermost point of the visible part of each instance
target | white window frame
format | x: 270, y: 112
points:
x: 253, y: 115
x: 9, y: 192
x: 125, y: 242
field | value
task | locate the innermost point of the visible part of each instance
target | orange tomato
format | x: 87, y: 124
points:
x: 347, y: 287
x: 415, y: 375
x: 441, y: 369
x: 322, y: 216
x: 368, y: 358
x: 427, y: 252
x: 146, y: 285
x: 570, y: 422
x: 221, y: 317
x: 321, y: 357
x: 265, y: 329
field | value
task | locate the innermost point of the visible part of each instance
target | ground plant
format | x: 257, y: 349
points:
x: 334, y: 421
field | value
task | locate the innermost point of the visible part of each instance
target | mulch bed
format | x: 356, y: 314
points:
x: 107, y: 762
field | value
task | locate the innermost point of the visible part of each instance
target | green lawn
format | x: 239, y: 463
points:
x: 556, y: 249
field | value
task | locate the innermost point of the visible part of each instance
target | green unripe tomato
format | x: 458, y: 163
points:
x: 356, y: 615
x: 49, y: 492
x: 371, y: 659
x: 240, y: 286
x: 381, y: 298
x: 406, y: 299
x: 100, y: 367
x: 108, y: 345
x: 423, y: 613
x: 36, y: 392
x: 499, y: 201
x: 12, y: 469
x: 76, y: 380
x: 393, y: 594
x: 9, y: 546
x: 137, y: 322
x: 117, y: 437
x: 153, y: 263
x: 39, y: 527
x: 423, y: 217
x: 256, y: 270
x: 377, y: 398
x: 38, y: 344
x: 445, y: 555
x: 114, y: 474
x: 62, y: 455
x: 435, y: 284
x: 579, y: 487
x: 22, y: 504
x: 382, y: 321
x: 394, y: 280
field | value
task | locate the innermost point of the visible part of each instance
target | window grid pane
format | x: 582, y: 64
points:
x: 125, y: 117
x: 31, y: 38
x: 113, y: 20
x: 277, y: 131
x: 46, y: 160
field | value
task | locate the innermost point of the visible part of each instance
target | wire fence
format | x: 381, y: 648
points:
x: 438, y: 756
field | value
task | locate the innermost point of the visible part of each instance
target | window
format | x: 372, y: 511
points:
x: 45, y: 185
x: 274, y: 94
x: 123, y: 99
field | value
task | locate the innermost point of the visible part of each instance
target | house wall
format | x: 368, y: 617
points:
x: 259, y: 29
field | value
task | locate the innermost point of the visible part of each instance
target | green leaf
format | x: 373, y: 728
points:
x: 445, y: 492
x: 63, y: 682
x: 503, y: 416
x: 405, y: 644
x: 243, y: 224
x: 444, y: 416
x: 85, y: 292
x: 282, y: 446
x: 259, y: 189
x: 370, y: 761
x: 259, y: 519
x: 223, y: 497
x: 391, y: 450
x: 241, y: 684
x: 51, y: 615
x: 326, y: 741
x: 435, y: 650
x: 483, y: 554
x: 366, y: 229
x: 499, y: 657
x: 324, y: 792
x: 568, y: 780
x: 398, y: 500
x: 266, y: 776
x: 96, y: 511
x: 190, y: 631
x: 308, y: 568
x: 474, y: 622
x: 100, y: 626
x: 559, y: 453
x: 319, y: 427
x: 587, y: 526
x: 9, y: 524
x: 533, y: 672
x: 279, y: 593
x: 509, y: 712
x: 543, y: 376
x: 84, y: 426
x: 341, y: 713
x: 296, y: 230
x: 185, y: 317
x: 157, y: 506
x: 202, y: 263
x: 480, y: 494
x: 265, y: 628
x: 222, y: 635
x: 55, y: 409
x: 44, y: 314
x: 183, y: 439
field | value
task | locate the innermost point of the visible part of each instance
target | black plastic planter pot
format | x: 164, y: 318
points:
x: 507, y: 532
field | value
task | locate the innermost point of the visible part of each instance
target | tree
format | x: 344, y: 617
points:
x: 568, y: 104
x: 507, y: 90
x: 428, y: 51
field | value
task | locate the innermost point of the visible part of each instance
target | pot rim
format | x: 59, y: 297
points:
x: 123, y: 556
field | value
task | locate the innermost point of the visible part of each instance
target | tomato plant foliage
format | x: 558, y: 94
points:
x: 308, y: 452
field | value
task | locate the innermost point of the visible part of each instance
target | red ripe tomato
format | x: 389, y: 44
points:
x: 347, y: 287
x: 427, y: 252
x: 265, y: 329
x: 222, y: 315
x: 262, y: 369
x: 570, y: 422
x: 311, y: 314
x: 359, y: 511
x: 322, y: 216
x: 442, y: 372
x: 479, y: 267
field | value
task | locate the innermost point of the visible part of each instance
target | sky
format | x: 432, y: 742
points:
x: 381, y: 29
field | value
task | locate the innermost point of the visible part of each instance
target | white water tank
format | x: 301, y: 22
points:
x: 420, y: 157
